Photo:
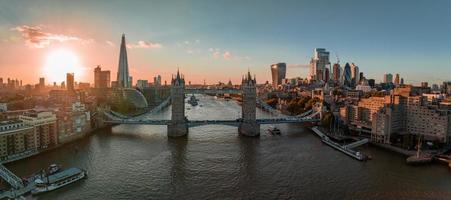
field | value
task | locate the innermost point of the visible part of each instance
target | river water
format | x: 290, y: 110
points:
x: 214, y: 162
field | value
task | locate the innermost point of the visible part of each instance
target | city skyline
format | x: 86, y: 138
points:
x: 232, y: 43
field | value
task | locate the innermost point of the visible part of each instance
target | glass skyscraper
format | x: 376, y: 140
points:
x: 278, y: 72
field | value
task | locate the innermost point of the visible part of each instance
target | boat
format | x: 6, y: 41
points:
x: 48, y: 183
x: 274, y: 130
x: 419, y: 158
x: 193, y: 101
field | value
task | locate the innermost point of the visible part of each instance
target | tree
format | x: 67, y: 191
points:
x: 327, y: 119
x: 272, y: 102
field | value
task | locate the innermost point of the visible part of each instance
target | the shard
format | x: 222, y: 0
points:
x: 122, y: 72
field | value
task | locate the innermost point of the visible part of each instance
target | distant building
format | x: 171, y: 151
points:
x: 388, y: 78
x: 347, y: 75
x: 42, y: 82
x: 141, y: 84
x: 371, y: 82
x: 355, y: 74
x: 337, y: 73
x: 278, y: 72
x: 318, y: 65
x: 70, y: 82
x: 157, y: 80
x: 123, y: 77
x: 424, y: 84
x: 397, y: 79
x: 101, y: 78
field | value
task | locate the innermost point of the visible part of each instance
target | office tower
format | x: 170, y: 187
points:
x: 326, y: 75
x: 337, y: 73
x: 318, y: 64
x: 371, y: 82
x: 347, y: 75
x: 361, y: 77
x: 41, y: 82
x: 396, y: 82
x: 388, y: 78
x: 278, y: 72
x: 123, y: 78
x: 70, y: 82
x: 402, y: 81
x: 157, y: 80
x: 101, y: 78
x: 355, y: 74
x: 130, y: 81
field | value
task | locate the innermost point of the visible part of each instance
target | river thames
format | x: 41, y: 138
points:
x: 214, y: 162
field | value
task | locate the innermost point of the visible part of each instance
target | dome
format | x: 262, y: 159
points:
x: 129, y: 101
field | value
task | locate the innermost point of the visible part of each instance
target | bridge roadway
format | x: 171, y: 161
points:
x: 212, y: 91
x: 193, y: 123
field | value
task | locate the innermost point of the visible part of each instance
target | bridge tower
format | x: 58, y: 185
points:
x: 249, y: 126
x: 178, y: 126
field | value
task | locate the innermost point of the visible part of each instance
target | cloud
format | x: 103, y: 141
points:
x: 110, y: 43
x: 298, y: 66
x: 144, y: 45
x: 227, y: 55
x: 35, y: 37
x: 216, y: 54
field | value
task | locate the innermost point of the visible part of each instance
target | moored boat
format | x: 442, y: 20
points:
x: 274, y: 130
x: 60, y: 179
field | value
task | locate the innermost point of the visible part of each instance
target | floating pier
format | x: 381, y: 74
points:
x: 346, y: 149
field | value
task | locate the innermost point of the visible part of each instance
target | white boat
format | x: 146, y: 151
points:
x: 58, y: 180
x: 274, y: 130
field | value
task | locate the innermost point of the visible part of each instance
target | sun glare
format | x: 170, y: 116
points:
x: 60, y: 62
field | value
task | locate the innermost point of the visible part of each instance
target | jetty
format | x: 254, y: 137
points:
x: 346, y: 149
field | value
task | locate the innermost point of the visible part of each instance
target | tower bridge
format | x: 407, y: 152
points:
x: 247, y: 124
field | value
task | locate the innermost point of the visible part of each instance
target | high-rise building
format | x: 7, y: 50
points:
x: 396, y: 82
x: 402, y: 81
x: 278, y: 72
x: 326, y: 74
x: 101, y: 78
x: 424, y: 84
x: 361, y: 77
x: 123, y: 78
x: 157, y: 80
x: 337, y: 72
x: 70, y: 82
x: 318, y: 64
x: 371, y: 82
x: 141, y: 84
x: 388, y: 78
x: 355, y: 74
x: 347, y: 75
x: 41, y: 82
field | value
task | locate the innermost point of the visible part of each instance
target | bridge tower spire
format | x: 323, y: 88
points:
x: 178, y: 126
x: 249, y: 126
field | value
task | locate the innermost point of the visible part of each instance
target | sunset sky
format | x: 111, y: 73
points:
x: 218, y: 40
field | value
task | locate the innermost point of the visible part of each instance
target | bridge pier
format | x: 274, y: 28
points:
x: 177, y: 130
x: 250, y: 129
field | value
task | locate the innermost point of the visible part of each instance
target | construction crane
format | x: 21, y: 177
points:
x: 338, y: 59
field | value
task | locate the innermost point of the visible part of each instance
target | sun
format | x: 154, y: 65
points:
x: 60, y: 62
